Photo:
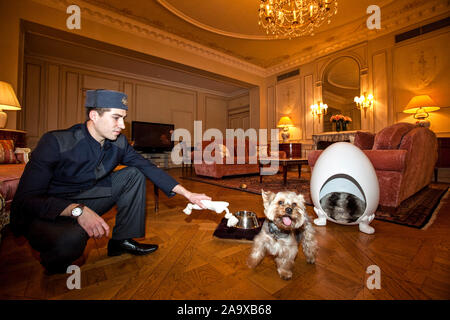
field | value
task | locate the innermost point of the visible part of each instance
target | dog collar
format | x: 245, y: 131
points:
x: 277, y: 233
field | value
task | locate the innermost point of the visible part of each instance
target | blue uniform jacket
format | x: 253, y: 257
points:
x: 68, y: 162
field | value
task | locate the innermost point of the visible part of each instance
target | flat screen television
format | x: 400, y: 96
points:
x: 151, y: 137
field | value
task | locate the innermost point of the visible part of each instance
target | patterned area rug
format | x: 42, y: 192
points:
x: 250, y: 183
x: 418, y: 211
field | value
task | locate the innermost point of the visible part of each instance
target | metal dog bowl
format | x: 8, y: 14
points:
x: 247, y: 220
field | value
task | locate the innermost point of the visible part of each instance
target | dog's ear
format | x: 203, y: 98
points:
x: 301, y: 201
x: 267, y: 197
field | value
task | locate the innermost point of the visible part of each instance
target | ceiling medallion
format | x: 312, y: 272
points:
x: 294, y: 18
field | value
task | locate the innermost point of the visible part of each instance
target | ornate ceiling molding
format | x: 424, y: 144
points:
x: 123, y: 23
x: 395, y: 16
x: 201, y: 25
x: 353, y: 34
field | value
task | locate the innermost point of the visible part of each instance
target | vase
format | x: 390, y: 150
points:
x: 338, y: 126
x: 344, y: 126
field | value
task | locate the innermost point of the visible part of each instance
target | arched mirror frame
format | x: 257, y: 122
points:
x: 338, y: 93
x: 358, y: 54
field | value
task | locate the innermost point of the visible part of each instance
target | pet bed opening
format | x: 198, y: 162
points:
x: 342, y: 198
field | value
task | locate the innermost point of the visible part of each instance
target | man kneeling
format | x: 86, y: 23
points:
x: 70, y: 182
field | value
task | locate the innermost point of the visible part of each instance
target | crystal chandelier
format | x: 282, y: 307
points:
x: 294, y: 18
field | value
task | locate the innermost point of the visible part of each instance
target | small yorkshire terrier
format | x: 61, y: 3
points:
x: 287, y: 225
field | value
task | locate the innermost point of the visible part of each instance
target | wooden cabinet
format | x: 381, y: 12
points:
x: 293, y: 150
x: 17, y: 136
x: 443, y: 160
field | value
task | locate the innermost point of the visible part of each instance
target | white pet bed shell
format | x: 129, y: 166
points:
x: 343, y: 167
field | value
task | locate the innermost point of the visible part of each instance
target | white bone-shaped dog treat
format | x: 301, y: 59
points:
x: 218, y: 207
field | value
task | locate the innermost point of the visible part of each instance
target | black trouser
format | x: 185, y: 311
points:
x: 62, y: 241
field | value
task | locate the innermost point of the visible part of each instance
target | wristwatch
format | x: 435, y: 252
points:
x: 77, y: 211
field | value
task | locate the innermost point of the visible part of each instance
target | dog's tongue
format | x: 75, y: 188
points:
x: 287, y: 221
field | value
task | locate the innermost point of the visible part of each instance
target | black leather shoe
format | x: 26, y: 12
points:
x: 50, y: 271
x: 117, y: 247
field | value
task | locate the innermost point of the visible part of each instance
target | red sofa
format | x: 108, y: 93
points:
x: 11, y: 170
x: 219, y: 170
x: 403, y: 156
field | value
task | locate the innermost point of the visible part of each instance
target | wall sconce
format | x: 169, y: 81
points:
x: 420, y: 106
x: 364, y: 102
x: 319, y: 110
x: 285, y: 123
x: 8, y: 101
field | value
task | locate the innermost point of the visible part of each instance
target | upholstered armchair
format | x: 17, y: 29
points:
x: 403, y: 156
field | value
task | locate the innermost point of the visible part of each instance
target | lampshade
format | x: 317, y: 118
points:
x: 423, y: 102
x: 285, y: 122
x: 8, y: 101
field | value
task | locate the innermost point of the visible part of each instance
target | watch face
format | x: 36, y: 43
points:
x: 76, y: 212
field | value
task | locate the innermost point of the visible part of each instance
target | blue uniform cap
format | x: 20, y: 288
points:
x: 106, y: 99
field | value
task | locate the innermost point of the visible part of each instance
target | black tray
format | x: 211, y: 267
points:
x: 233, y: 233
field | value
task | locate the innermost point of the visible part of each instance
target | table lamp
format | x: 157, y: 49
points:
x: 8, y: 101
x: 285, y: 123
x: 420, y: 106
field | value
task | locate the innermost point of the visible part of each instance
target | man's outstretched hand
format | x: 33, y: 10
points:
x: 194, y: 198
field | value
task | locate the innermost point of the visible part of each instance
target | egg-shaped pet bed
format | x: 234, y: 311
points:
x: 344, y: 187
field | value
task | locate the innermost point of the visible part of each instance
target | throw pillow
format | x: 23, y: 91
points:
x: 22, y: 154
x: 223, y: 150
x: 364, y: 140
x: 7, y: 152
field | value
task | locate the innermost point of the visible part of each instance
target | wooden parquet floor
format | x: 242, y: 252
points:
x: 191, y: 264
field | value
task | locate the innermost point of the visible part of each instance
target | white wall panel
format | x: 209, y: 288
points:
x: 380, y: 91
x: 308, y: 101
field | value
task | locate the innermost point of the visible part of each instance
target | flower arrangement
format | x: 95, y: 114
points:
x: 340, y: 117
x: 341, y: 121
x: 336, y: 118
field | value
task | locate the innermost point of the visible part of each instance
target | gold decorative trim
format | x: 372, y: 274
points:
x: 206, y: 27
x: 397, y: 18
x: 123, y: 23
x: 391, y: 21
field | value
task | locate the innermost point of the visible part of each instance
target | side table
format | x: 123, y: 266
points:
x: 286, y: 163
